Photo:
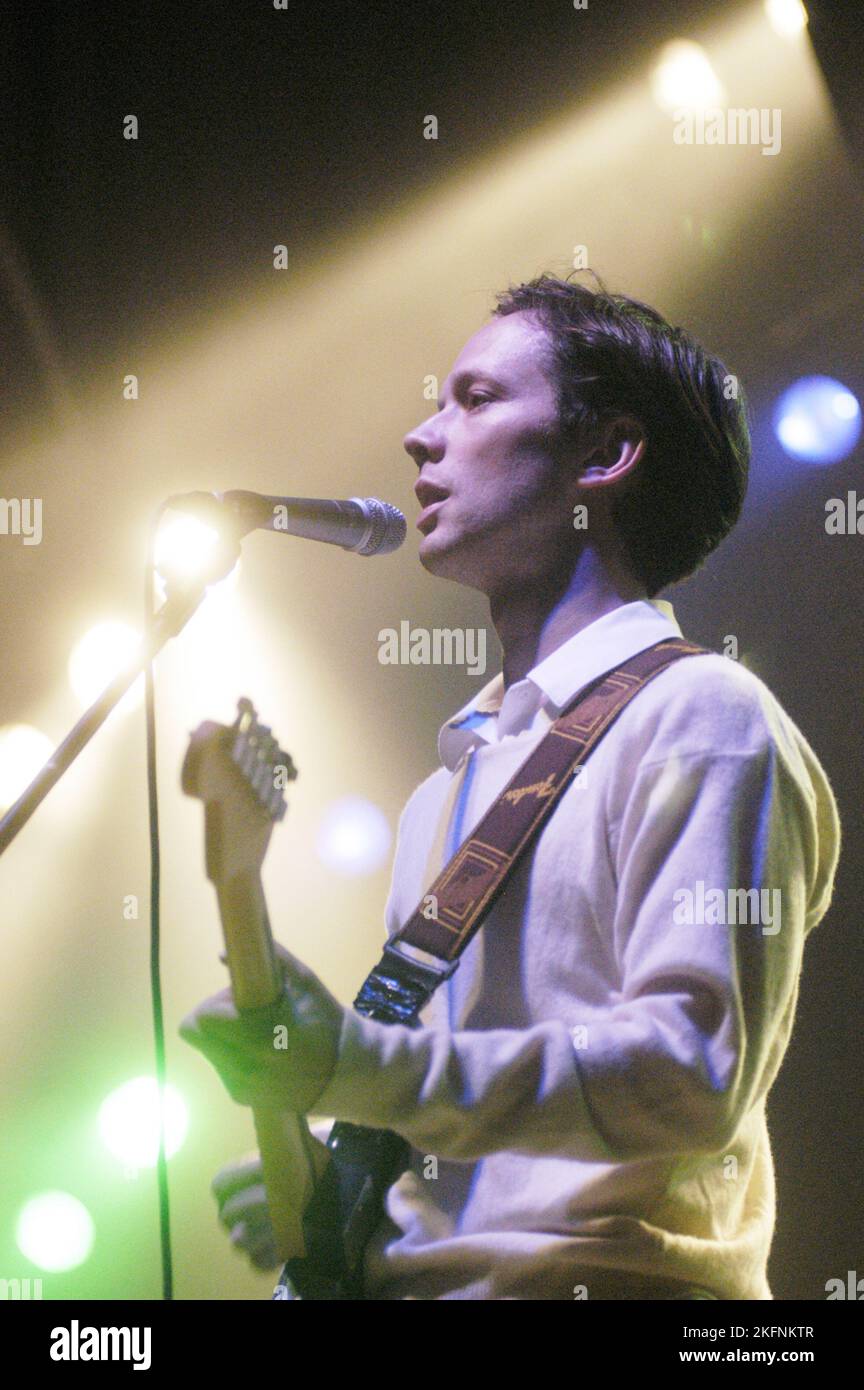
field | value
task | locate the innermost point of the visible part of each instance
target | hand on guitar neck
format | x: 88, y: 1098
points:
x: 242, y: 1200
x: 244, y: 1213
x: 273, y: 1036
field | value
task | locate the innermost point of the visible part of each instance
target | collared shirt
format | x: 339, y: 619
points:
x: 586, y: 1098
x: 537, y: 701
x: 533, y: 704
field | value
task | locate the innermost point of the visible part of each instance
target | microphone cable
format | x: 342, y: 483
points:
x: 155, y: 926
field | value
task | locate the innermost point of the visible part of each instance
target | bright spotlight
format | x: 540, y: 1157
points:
x: 184, y: 550
x: 787, y: 17
x: 54, y: 1231
x: 129, y: 1122
x: 99, y: 657
x: 184, y: 546
x: 818, y: 419
x: 354, y: 837
x: 684, y: 79
x: 23, y: 752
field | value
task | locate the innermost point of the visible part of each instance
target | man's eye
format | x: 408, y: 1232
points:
x: 478, y: 397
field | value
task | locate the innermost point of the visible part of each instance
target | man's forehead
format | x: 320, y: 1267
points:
x: 514, y: 344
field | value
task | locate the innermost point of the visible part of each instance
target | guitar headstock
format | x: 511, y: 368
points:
x: 240, y: 773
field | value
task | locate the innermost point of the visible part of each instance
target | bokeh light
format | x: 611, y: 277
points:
x: 129, y: 1122
x: 55, y: 1231
x: 354, y: 836
x: 818, y: 420
x: 99, y: 656
x: 23, y: 752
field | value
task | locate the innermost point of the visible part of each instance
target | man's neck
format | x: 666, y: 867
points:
x: 532, y: 621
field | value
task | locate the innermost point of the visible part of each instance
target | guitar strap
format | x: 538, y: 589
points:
x: 441, y: 926
x: 453, y: 909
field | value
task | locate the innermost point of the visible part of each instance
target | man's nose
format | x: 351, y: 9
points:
x: 424, y: 443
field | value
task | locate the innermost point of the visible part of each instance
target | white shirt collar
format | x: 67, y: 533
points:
x: 553, y: 682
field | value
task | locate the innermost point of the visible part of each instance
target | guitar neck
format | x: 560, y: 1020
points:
x: 284, y: 1139
x: 256, y: 979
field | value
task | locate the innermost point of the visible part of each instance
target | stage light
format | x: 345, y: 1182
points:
x: 683, y: 78
x: 787, y: 17
x: 129, y: 1122
x: 183, y: 550
x: 184, y: 546
x: 818, y: 420
x: 54, y: 1231
x: 354, y: 837
x: 98, y: 658
x: 23, y: 752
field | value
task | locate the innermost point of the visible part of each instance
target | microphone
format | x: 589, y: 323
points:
x: 362, y: 524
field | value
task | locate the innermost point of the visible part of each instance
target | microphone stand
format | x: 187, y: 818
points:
x: 179, y: 606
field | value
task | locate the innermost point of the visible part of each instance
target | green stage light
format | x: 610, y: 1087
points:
x: 129, y: 1122
x: 55, y: 1231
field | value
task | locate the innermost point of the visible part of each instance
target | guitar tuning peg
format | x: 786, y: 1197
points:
x: 259, y: 758
x: 249, y: 725
x: 244, y: 755
x: 245, y: 713
x: 263, y: 751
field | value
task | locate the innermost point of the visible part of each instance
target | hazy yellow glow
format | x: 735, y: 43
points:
x: 23, y: 751
x: 99, y: 656
x: 787, y: 17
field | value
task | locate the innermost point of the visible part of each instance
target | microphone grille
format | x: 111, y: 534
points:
x: 387, y: 527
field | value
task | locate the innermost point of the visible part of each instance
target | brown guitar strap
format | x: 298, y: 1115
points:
x: 455, y: 906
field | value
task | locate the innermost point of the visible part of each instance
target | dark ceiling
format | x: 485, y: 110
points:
x: 243, y: 109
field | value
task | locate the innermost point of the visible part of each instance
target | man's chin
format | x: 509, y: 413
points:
x: 433, y: 558
x: 435, y: 550
x: 447, y: 560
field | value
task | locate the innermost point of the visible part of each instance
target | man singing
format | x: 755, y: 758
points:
x: 585, y: 1101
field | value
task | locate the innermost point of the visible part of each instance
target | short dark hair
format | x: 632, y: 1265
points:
x: 616, y: 356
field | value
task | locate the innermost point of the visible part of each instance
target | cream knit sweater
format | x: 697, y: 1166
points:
x: 586, y: 1098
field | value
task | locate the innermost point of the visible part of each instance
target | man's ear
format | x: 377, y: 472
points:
x: 616, y: 453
